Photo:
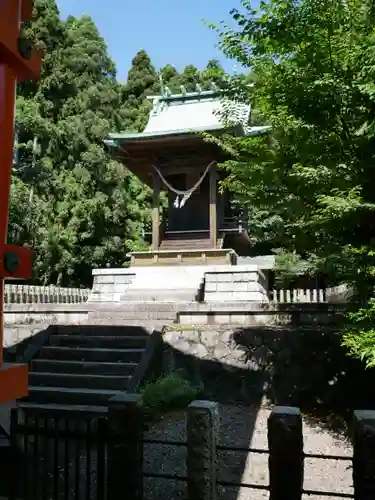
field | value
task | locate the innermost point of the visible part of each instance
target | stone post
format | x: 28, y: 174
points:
x: 213, y: 207
x: 285, y: 442
x: 202, y: 436
x: 125, y: 448
x: 156, y: 212
x: 364, y: 454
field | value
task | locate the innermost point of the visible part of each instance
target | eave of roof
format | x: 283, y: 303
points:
x: 134, y: 136
x: 115, y: 139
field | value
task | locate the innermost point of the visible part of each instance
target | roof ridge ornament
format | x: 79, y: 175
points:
x: 162, y: 88
x: 198, y: 88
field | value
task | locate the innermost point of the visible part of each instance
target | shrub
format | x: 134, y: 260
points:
x: 359, y: 337
x: 169, y: 393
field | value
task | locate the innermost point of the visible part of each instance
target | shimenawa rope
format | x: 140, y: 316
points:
x: 183, y: 196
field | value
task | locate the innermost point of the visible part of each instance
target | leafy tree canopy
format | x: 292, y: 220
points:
x: 307, y: 184
x: 73, y: 203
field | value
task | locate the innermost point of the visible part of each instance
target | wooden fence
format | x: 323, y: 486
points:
x: 28, y: 294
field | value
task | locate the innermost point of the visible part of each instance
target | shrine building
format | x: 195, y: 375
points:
x: 173, y: 154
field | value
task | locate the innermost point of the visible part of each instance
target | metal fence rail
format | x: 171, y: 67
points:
x: 60, y: 456
x: 247, y: 450
x: 73, y: 454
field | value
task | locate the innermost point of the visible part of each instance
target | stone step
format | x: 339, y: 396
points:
x: 74, y: 380
x: 79, y: 367
x: 95, y: 341
x: 61, y: 409
x: 125, y: 317
x: 137, y: 306
x: 69, y: 396
x: 105, y: 330
x: 87, y: 354
x: 145, y: 326
x: 147, y: 296
x: 157, y: 324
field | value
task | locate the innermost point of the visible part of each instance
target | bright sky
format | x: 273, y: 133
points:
x: 170, y: 31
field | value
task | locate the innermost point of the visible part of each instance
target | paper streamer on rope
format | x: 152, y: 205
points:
x: 183, y: 196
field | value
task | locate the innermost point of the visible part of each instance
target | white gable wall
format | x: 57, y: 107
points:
x: 173, y: 116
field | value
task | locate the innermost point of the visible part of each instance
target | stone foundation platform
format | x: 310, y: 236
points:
x: 243, y: 284
x: 182, y: 284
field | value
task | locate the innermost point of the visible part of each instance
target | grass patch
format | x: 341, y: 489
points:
x: 170, y: 393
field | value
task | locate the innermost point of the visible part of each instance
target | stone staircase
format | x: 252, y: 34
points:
x: 84, y: 366
x: 150, y: 315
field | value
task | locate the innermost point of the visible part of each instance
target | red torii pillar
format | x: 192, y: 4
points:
x: 18, y: 62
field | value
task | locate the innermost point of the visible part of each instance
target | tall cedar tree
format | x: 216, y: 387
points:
x: 85, y: 209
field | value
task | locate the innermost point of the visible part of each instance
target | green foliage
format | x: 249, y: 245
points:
x: 81, y: 209
x: 169, y: 393
x: 142, y: 82
x: 307, y: 184
x: 70, y: 200
x: 359, y: 338
x: 289, y: 265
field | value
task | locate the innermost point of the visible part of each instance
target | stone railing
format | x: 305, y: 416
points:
x: 28, y: 294
x: 298, y: 295
x: 340, y: 293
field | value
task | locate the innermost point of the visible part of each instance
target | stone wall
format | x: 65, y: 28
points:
x: 288, y: 366
x: 22, y: 321
x: 252, y: 314
x: 44, y: 314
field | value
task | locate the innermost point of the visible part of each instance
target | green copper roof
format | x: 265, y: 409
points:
x: 189, y: 113
x: 115, y: 139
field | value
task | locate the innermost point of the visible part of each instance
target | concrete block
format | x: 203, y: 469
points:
x: 241, y: 286
x: 225, y: 286
x: 238, y: 319
x: 217, y: 296
x: 224, y: 277
x: 202, y: 429
x: 124, y: 279
x: 210, y: 277
x: 199, y: 319
x: 211, y: 286
x: 104, y: 279
x: 285, y: 443
x: 222, y: 319
x: 252, y: 286
x: 243, y: 296
x: 186, y: 319
x: 107, y: 288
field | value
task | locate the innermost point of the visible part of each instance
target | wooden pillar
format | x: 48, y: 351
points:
x: 213, y: 206
x: 156, y: 213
